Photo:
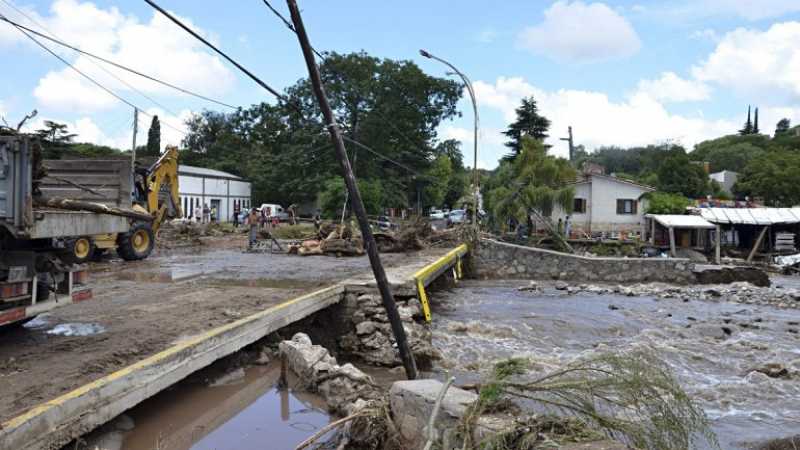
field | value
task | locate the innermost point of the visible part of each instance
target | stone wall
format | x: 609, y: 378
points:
x: 367, y: 334
x: 494, y: 259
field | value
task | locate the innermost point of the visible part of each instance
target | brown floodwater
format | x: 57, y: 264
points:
x: 243, y: 409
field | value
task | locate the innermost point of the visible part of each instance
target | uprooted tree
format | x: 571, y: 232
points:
x: 534, y: 182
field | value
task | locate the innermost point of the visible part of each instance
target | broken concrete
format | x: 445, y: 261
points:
x: 708, y: 274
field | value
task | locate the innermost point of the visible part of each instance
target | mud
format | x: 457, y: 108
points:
x: 740, y: 362
x: 146, y: 306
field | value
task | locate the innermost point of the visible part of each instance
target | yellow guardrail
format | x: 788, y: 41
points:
x: 422, y: 276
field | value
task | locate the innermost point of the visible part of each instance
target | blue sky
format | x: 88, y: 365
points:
x: 620, y: 72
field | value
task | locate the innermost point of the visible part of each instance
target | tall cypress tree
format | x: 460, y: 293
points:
x: 748, y: 126
x: 755, y: 123
x: 154, y: 138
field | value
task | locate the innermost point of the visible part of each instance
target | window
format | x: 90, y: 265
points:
x: 626, y: 206
x: 579, y: 206
x: 185, y: 211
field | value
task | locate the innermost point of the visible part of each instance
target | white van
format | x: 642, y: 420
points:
x: 275, y: 210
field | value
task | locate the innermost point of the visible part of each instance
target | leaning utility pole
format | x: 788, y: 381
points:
x: 571, y: 143
x: 355, y: 195
x: 133, y: 149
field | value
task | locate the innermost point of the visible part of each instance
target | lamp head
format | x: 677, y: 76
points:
x: 425, y: 54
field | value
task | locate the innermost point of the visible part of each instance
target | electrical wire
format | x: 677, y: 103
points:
x: 322, y: 56
x: 120, y: 66
x: 267, y: 87
x: 92, y: 80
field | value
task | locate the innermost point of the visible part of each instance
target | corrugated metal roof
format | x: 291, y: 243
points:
x: 751, y: 216
x: 681, y: 221
x: 202, y: 171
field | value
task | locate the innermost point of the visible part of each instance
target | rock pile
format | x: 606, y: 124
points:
x: 370, y: 336
x: 344, y: 387
x: 738, y: 292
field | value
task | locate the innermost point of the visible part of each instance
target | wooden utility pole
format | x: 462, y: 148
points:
x: 133, y: 149
x: 355, y: 195
x: 571, y: 143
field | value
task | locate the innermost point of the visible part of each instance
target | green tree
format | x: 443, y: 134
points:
x: 153, y: 147
x: 438, y: 181
x: 533, y: 181
x: 332, y: 197
x: 666, y: 203
x: 528, y: 123
x: 782, y: 126
x: 748, y: 125
x: 55, y: 139
x: 730, y: 152
x: 679, y: 175
x: 772, y: 177
x: 391, y: 106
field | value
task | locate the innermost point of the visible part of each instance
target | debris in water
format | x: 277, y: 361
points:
x: 77, y: 329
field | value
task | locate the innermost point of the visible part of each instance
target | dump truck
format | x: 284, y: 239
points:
x: 43, y: 208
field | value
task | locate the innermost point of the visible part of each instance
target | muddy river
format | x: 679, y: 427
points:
x: 712, y: 347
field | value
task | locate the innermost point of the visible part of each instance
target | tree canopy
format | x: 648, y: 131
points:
x: 528, y: 123
x: 391, y: 106
x: 153, y: 147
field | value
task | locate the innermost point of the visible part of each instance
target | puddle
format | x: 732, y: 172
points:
x: 481, y: 322
x: 241, y: 409
x: 76, y: 329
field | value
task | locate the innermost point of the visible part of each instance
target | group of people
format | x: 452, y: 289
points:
x: 205, y: 214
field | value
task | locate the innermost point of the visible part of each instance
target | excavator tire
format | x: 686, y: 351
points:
x: 137, y: 243
x: 77, y: 250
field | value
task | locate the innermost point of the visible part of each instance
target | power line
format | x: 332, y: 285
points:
x: 264, y: 85
x: 96, y: 64
x: 322, y: 56
x: 96, y: 83
x: 120, y: 66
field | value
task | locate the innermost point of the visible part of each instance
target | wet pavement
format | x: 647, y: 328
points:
x: 712, y: 347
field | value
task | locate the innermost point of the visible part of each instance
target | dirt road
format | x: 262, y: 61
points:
x: 141, y: 308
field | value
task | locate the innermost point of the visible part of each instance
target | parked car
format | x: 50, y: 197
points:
x: 436, y: 214
x: 384, y: 223
x: 456, y: 216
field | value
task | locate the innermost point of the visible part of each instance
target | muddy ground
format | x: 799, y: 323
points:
x: 141, y: 308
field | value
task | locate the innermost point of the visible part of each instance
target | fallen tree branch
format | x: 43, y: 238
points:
x: 324, y: 430
x: 431, y: 432
x: 99, y: 208
x: 76, y: 185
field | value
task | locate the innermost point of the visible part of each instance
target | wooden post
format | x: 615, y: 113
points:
x: 653, y: 231
x: 717, y: 246
x: 672, y: 242
x: 355, y: 195
x: 757, y: 244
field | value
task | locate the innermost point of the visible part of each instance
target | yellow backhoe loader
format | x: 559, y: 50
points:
x: 155, y: 193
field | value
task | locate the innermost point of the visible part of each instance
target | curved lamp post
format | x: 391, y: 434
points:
x: 468, y: 85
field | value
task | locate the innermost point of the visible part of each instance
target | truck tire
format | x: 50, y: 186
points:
x: 137, y: 243
x: 77, y: 250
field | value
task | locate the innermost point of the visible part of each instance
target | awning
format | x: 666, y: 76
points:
x: 751, y: 216
x: 681, y: 221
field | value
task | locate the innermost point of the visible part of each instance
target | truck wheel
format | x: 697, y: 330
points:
x: 78, y: 250
x: 137, y: 243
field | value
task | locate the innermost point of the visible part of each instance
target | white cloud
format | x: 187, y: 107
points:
x: 578, y: 32
x: 745, y: 9
x: 670, y: 88
x: 597, y: 120
x: 486, y: 36
x: 157, y: 47
x: 761, y: 64
x: 706, y: 34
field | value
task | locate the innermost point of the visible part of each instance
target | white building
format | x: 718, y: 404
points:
x: 199, y: 186
x: 726, y: 179
x: 606, y: 205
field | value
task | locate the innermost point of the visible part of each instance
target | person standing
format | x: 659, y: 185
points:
x: 253, y: 220
x: 317, y: 221
x: 567, y: 227
x: 206, y: 213
x: 197, y: 215
x: 236, y: 211
x: 213, y: 214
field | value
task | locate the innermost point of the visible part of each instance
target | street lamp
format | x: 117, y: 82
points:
x: 468, y: 85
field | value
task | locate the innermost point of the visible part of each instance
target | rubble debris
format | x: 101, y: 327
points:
x: 330, y: 240
x: 342, y: 386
